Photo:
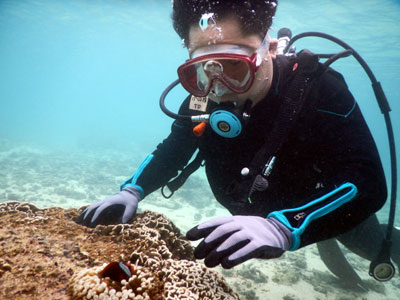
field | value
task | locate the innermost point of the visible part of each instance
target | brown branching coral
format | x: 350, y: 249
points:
x: 160, y: 270
x: 173, y: 280
x: 90, y: 284
x: 43, y: 251
x: 154, y: 236
x: 190, y: 280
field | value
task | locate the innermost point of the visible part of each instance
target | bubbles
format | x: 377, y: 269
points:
x: 271, y: 3
x: 208, y: 23
x: 207, y: 20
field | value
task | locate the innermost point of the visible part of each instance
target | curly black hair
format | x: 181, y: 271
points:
x: 255, y: 16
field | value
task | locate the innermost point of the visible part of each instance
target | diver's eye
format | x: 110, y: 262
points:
x: 233, y: 63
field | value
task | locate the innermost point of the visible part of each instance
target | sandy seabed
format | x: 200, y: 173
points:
x: 69, y: 179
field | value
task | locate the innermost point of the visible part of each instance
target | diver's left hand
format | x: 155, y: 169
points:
x: 230, y: 241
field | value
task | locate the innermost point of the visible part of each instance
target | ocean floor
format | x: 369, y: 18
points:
x: 66, y: 178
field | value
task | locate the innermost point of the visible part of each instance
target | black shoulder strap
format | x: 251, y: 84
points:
x: 178, y: 181
x: 303, y: 71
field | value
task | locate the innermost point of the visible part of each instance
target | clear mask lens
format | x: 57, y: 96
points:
x: 234, y: 71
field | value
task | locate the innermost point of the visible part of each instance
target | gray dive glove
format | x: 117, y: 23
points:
x: 116, y: 209
x: 230, y: 241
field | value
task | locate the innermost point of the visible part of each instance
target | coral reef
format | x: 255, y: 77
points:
x: 173, y: 279
x: 90, y: 284
x: 46, y: 255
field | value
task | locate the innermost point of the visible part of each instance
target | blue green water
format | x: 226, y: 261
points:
x: 87, y: 75
x: 85, y: 72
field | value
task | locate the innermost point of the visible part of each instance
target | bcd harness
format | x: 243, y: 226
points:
x: 303, y: 75
x: 304, y: 70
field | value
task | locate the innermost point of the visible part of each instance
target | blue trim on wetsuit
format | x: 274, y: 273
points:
x: 339, y: 115
x: 317, y: 213
x: 132, y: 180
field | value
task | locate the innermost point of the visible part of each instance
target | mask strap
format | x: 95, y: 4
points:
x: 263, y: 49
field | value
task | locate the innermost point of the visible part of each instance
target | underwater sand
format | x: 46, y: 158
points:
x: 72, y: 178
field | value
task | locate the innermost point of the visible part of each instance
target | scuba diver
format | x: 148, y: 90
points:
x: 284, y: 144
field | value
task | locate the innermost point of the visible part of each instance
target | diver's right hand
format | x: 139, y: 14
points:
x: 116, y: 209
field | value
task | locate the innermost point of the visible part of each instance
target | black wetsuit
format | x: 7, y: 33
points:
x: 329, y: 145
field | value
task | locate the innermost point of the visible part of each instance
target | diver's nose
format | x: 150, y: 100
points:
x: 219, y: 89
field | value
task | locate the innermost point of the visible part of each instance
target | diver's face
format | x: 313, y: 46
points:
x: 230, y: 33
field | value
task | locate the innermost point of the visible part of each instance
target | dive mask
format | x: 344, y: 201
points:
x: 234, y: 66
